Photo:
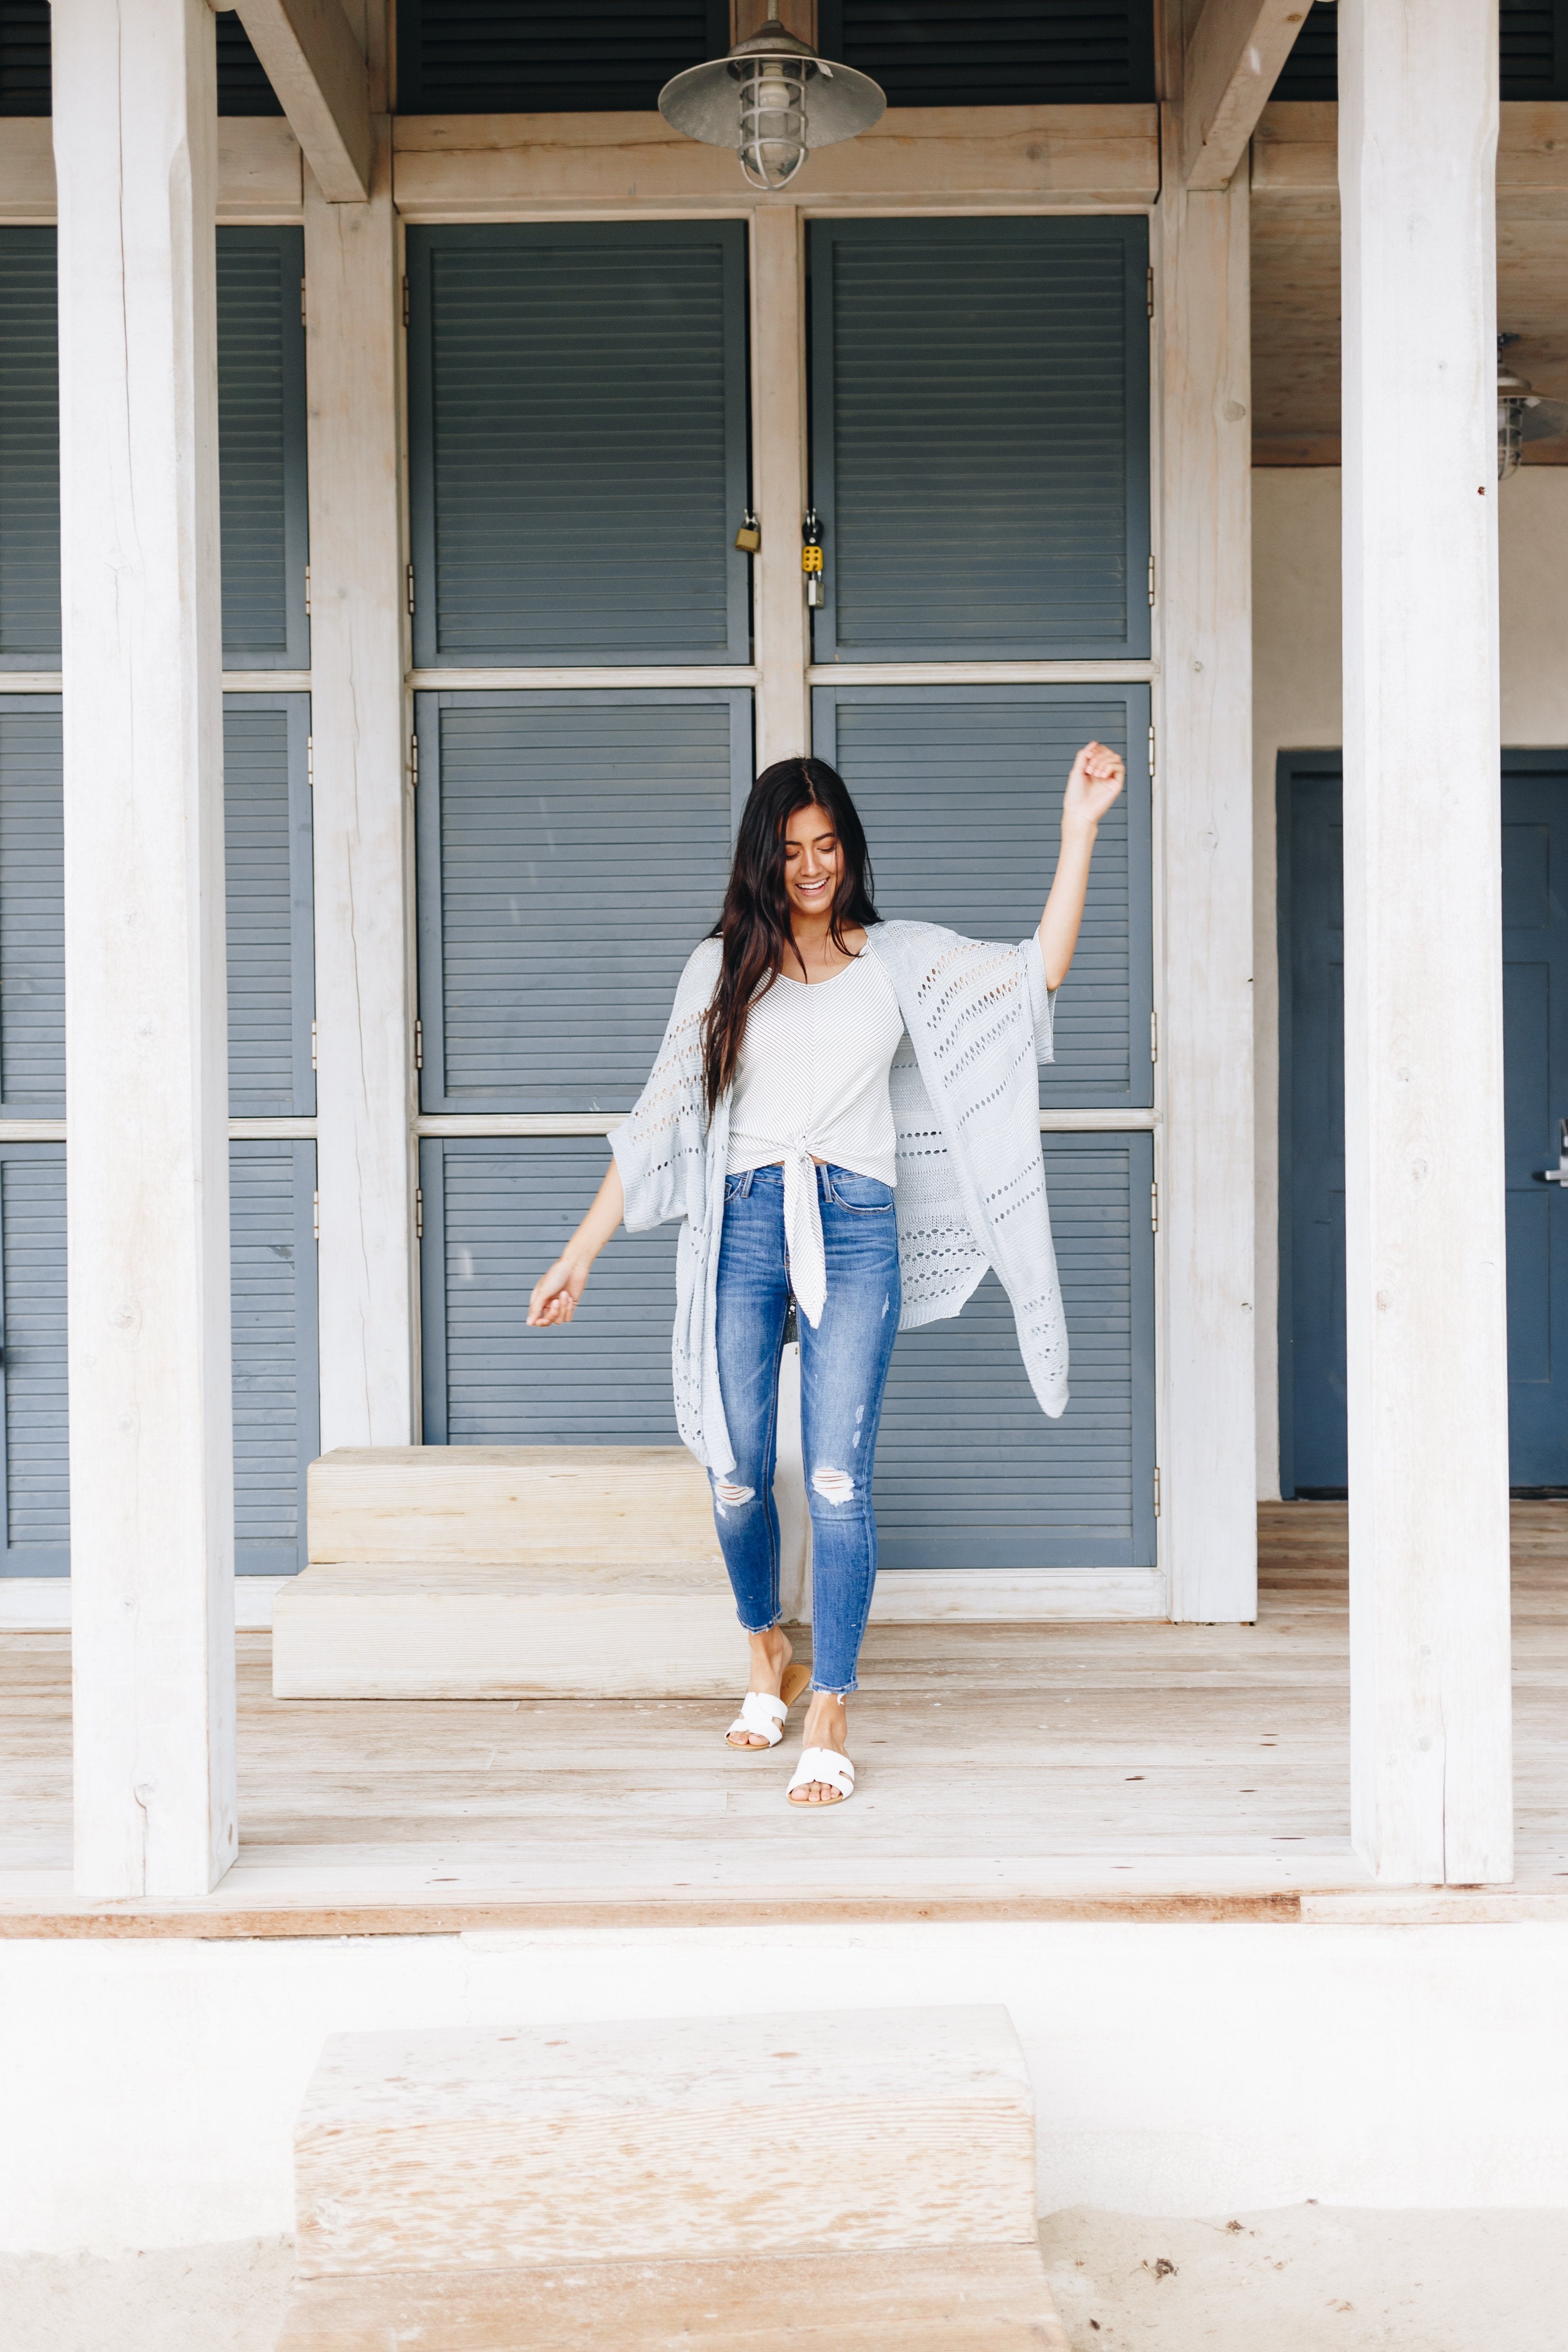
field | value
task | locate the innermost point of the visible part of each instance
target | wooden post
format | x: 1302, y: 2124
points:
x: 778, y: 468
x: 1202, y: 801
x: 364, y: 1048
x: 135, y: 140
x: 1432, y: 1795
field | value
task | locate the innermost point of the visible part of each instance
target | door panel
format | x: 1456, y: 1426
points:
x: 577, y: 442
x: 980, y: 438
x: 498, y: 1211
x: 970, y: 1473
x: 573, y: 850
x: 960, y: 792
x: 1535, y: 1048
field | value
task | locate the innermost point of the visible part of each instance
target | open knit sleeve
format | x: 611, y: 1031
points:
x: 660, y: 1147
x: 1042, y: 999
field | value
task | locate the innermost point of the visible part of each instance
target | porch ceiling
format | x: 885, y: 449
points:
x: 1296, y: 273
x: 1007, y: 1771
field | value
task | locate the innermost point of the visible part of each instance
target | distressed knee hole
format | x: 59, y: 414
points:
x: 834, y: 1485
x: 734, y: 1494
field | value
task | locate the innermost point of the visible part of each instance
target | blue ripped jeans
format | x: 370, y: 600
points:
x: 843, y: 1372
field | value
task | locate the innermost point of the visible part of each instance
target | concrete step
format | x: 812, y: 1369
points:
x: 833, y: 2132
x: 406, y: 1629
x: 502, y: 1505
x: 960, y: 2299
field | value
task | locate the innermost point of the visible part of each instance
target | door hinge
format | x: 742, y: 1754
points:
x: 419, y: 1044
x: 418, y: 1214
x: 316, y: 1215
x: 408, y: 578
x: 1157, y: 1490
x: 406, y: 301
x: 1151, y: 753
x: 310, y: 763
x: 313, y: 1045
x: 307, y: 591
x: 304, y: 321
x: 1154, y: 1037
x: 1150, y: 579
x: 1149, y: 288
x: 1154, y: 1208
x: 414, y: 762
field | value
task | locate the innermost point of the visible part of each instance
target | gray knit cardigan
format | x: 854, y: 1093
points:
x: 971, y: 1186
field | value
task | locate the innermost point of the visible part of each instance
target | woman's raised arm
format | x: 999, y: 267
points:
x: 556, y: 1292
x: 1098, y: 775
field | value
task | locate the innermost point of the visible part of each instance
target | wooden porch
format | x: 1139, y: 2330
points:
x: 1026, y: 1772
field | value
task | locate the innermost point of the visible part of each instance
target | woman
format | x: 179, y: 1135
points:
x: 844, y: 1112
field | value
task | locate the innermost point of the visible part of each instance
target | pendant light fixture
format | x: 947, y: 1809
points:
x: 1522, y: 414
x: 771, y: 100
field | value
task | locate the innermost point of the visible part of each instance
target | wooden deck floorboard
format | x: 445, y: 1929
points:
x: 998, y: 1763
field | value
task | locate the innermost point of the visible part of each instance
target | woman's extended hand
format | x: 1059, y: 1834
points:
x: 1098, y: 775
x: 556, y: 1292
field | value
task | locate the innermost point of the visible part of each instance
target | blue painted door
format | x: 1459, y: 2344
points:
x: 1535, y: 1034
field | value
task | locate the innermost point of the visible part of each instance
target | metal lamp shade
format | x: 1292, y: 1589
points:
x: 1523, y: 415
x: 771, y: 100
x: 705, y: 101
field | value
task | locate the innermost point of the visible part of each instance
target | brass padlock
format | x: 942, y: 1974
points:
x: 749, y: 538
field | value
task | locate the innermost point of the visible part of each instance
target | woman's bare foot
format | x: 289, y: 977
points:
x: 827, y: 1726
x: 770, y: 1653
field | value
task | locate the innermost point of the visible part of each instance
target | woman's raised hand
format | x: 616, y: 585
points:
x: 556, y: 1292
x: 1098, y: 775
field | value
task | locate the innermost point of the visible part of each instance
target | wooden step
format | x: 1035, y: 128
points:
x: 509, y: 1571
x: 960, y: 2299
x: 541, y: 1630
x: 504, y: 1505
x: 841, y: 2132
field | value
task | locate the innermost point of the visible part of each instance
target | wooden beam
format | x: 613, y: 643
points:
x: 317, y: 68
x: 257, y: 169
x: 490, y: 166
x: 1233, y: 62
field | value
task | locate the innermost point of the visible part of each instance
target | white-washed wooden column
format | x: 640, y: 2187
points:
x: 135, y: 139
x: 364, y: 1035
x: 782, y: 702
x: 778, y: 479
x: 1432, y: 1795
x: 1203, y: 807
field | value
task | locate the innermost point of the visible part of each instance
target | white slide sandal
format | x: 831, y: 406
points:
x: 763, y: 1716
x: 826, y: 1765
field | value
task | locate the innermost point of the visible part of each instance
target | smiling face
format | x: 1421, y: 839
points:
x: 813, y: 861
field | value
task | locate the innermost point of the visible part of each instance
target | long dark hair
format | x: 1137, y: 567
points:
x: 755, y: 923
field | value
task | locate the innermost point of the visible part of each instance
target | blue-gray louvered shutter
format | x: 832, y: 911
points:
x: 267, y: 849
x: 276, y: 1411
x: 242, y: 86
x: 33, y: 1359
x: 29, y: 452
x: 577, y: 442
x: 538, y: 57
x: 573, y: 850
x: 32, y: 909
x: 497, y: 1211
x: 995, y: 52
x: 960, y: 789
x: 980, y: 438
x: 261, y: 448
x: 970, y: 1473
